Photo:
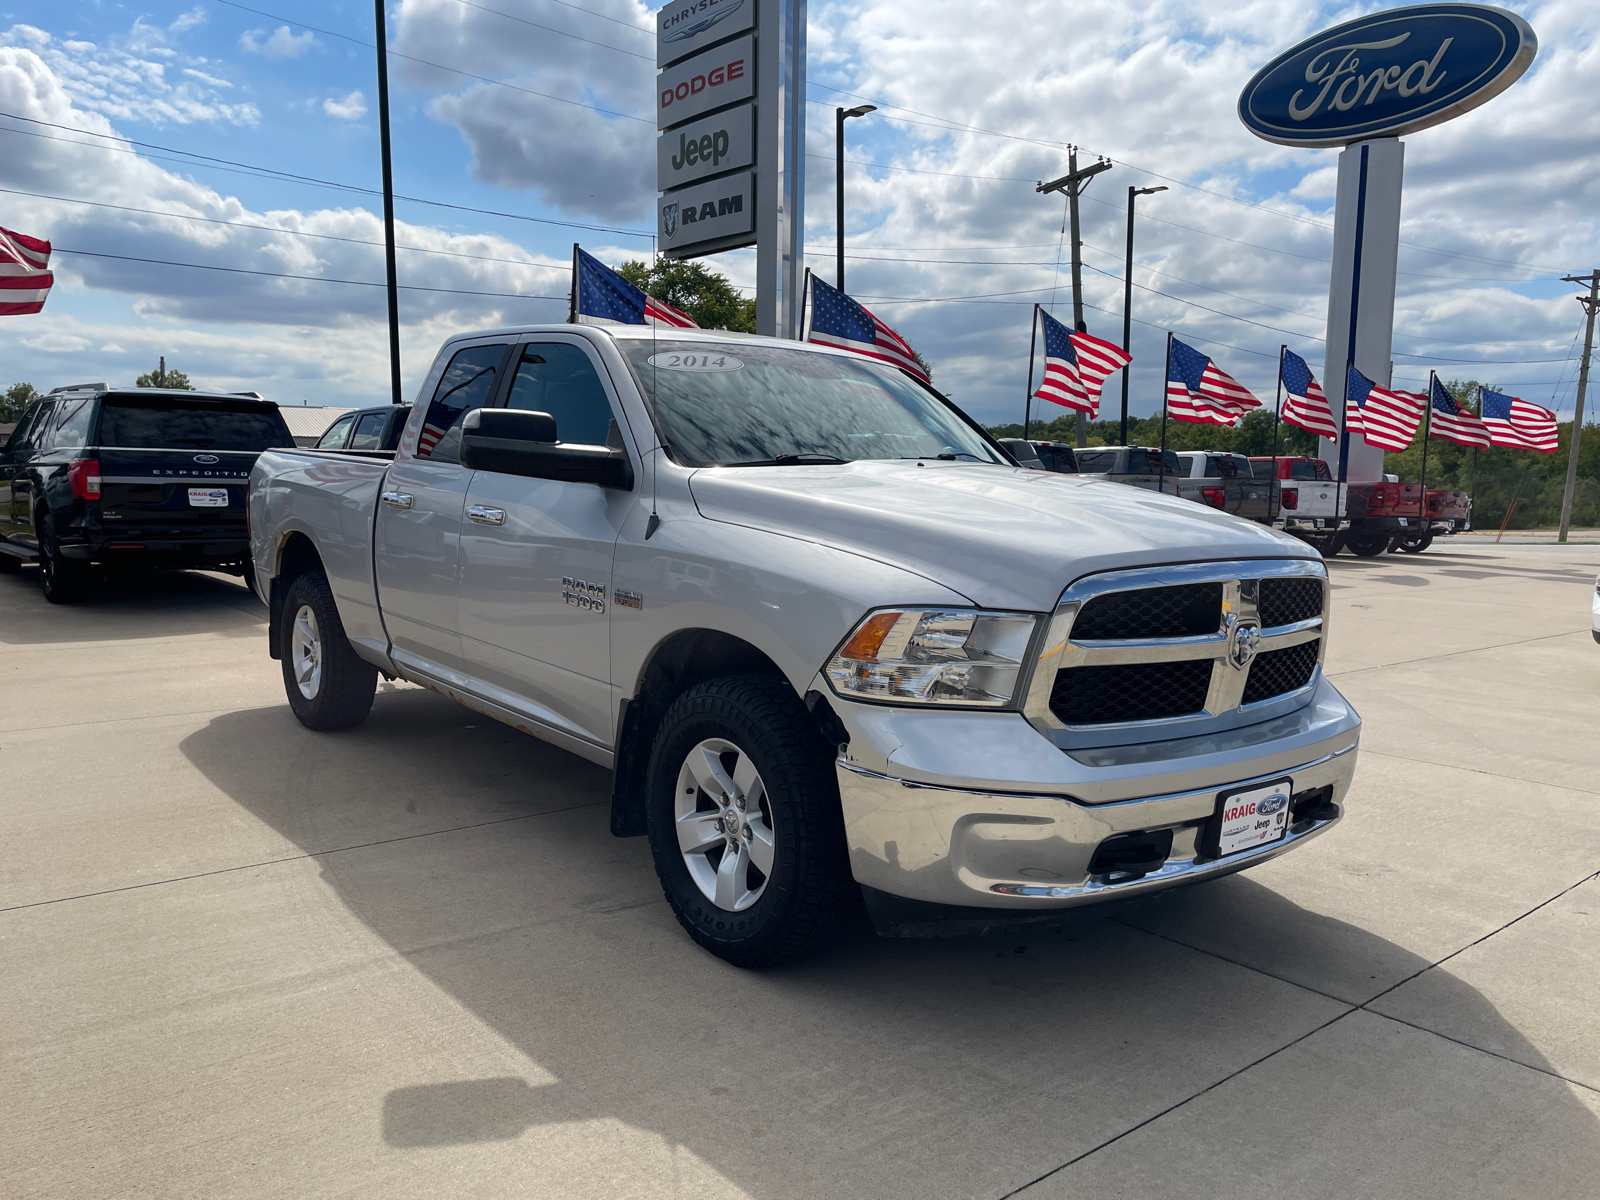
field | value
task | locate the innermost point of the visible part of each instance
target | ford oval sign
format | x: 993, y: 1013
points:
x: 1387, y: 74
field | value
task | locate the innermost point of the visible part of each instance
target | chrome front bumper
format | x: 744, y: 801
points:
x: 978, y: 810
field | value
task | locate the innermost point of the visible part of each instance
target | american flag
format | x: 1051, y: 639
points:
x: 836, y: 320
x: 1200, y: 391
x: 1384, y: 417
x: 606, y: 298
x: 1454, y: 423
x: 1516, y: 423
x: 25, y: 277
x: 1076, y: 366
x: 1305, y: 405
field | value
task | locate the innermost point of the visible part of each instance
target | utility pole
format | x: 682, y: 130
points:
x: 161, y: 372
x: 388, y: 203
x: 1590, y: 303
x: 1073, y: 184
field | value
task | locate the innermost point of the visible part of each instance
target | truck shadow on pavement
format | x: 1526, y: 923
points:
x: 143, y: 604
x: 883, y: 1067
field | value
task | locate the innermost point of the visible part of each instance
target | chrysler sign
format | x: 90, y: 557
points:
x: 1387, y: 74
x: 690, y: 25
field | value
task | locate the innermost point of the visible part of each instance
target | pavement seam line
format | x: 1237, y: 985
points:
x: 272, y: 862
x: 1454, y: 654
x: 1588, y: 1087
x: 1362, y: 1007
x: 1565, y: 787
x: 198, y: 712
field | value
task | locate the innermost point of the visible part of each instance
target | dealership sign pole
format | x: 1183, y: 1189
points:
x: 730, y: 159
x: 1362, y: 85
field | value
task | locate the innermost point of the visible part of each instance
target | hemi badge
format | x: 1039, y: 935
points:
x: 627, y: 599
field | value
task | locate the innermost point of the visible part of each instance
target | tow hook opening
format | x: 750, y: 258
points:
x: 1132, y: 855
x: 1311, y: 806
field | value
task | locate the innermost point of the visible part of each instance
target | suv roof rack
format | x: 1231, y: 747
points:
x: 79, y: 387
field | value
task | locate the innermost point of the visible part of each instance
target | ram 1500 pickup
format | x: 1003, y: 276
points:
x: 833, y: 643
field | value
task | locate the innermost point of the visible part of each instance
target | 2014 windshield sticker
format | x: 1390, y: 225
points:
x: 695, y: 362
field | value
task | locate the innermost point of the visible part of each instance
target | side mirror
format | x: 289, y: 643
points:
x: 514, y: 441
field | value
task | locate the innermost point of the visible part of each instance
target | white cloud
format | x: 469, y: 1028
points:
x: 187, y: 21
x: 348, y: 108
x: 57, y: 343
x: 112, y: 348
x: 128, y: 78
x: 282, y: 42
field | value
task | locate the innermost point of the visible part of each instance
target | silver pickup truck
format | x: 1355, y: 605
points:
x: 833, y: 643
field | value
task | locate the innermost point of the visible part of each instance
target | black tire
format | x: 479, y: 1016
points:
x: 809, y: 898
x: 1368, y: 545
x: 62, y: 580
x: 343, y: 689
x: 1415, y: 544
x: 1325, y: 544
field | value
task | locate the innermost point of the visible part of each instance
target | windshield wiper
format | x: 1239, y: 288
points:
x: 945, y: 457
x: 807, y: 458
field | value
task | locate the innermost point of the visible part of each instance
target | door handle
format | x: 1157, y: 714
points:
x: 486, y: 516
x: 396, y: 499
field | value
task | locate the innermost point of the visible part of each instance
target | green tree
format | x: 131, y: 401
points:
x: 165, y: 378
x: 694, y: 288
x: 922, y: 362
x: 17, y: 398
x: 1254, y: 434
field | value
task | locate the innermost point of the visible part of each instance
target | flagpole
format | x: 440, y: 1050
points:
x: 1161, y: 462
x: 1427, y: 424
x: 392, y: 286
x: 1473, y: 498
x: 1344, y: 444
x: 1027, y: 402
x: 805, y: 303
x: 1277, y: 439
x: 572, y: 300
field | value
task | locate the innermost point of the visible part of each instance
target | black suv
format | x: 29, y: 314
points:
x: 370, y: 429
x: 137, y: 476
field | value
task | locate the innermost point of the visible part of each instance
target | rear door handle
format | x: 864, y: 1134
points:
x: 396, y: 499
x: 486, y: 516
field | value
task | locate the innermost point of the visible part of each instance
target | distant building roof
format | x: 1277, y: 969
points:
x: 309, y: 422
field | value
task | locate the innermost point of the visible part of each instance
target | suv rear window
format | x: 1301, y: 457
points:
x: 134, y: 423
x: 1091, y: 462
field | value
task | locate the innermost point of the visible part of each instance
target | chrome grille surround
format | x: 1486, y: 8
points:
x: 1224, y: 703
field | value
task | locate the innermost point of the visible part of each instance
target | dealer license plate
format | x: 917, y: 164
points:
x: 1321, y: 524
x: 1404, y: 521
x: 208, y: 497
x: 1253, y: 817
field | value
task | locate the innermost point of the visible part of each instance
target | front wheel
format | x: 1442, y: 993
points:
x: 745, y: 825
x: 1415, y: 544
x: 1369, y: 545
x: 329, y: 686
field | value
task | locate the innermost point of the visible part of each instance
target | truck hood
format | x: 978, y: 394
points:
x: 1004, y: 537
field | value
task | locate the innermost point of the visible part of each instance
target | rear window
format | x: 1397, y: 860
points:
x: 1310, y: 471
x: 1225, y: 466
x: 1091, y: 462
x: 136, y: 424
x: 1265, y: 469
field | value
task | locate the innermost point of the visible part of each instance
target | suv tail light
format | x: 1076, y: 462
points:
x: 84, y: 476
x: 1290, y: 497
x: 1215, y: 496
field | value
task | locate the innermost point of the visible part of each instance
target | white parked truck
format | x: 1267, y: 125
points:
x: 834, y: 644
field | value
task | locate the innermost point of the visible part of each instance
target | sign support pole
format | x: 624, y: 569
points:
x: 1590, y: 303
x: 780, y: 165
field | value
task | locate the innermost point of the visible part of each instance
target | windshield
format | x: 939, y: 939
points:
x: 733, y: 405
x: 201, y: 425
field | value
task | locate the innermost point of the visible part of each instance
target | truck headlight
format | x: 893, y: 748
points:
x: 934, y: 656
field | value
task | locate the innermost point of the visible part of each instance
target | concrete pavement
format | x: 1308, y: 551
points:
x: 240, y: 959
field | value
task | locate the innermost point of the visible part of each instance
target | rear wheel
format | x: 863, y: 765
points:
x: 329, y: 686
x: 745, y: 825
x: 62, y: 580
x: 1415, y: 543
x: 1369, y: 545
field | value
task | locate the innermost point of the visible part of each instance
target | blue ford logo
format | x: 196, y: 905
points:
x: 1387, y: 74
x: 1271, y: 804
x: 206, y: 458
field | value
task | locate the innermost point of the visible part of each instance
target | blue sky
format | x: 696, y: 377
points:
x: 1498, y: 203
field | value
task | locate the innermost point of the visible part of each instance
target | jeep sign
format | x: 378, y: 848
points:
x: 723, y: 75
x: 709, y: 146
x: 707, y: 212
x: 685, y: 26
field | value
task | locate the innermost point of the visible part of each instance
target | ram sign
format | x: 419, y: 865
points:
x: 721, y: 211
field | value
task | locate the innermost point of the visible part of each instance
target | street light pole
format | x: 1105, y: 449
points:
x: 392, y: 286
x: 1127, y: 300
x: 840, y: 116
x: 1590, y: 303
x: 1073, y: 184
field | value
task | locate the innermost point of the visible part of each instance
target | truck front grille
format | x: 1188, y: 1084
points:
x: 1279, y: 672
x: 1181, y: 611
x: 1190, y: 643
x: 1130, y: 692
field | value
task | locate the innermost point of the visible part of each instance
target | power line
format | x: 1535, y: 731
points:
x: 163, y: 262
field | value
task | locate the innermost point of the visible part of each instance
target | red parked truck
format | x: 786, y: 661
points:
x: 1368, y: 518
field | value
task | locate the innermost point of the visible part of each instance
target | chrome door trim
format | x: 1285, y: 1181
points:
x: 397, y: 499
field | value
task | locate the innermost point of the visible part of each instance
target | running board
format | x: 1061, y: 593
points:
x: 21, y: 552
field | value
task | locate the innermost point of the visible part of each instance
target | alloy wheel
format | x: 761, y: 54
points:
x: 724, y: 824
x: 305, y: 651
